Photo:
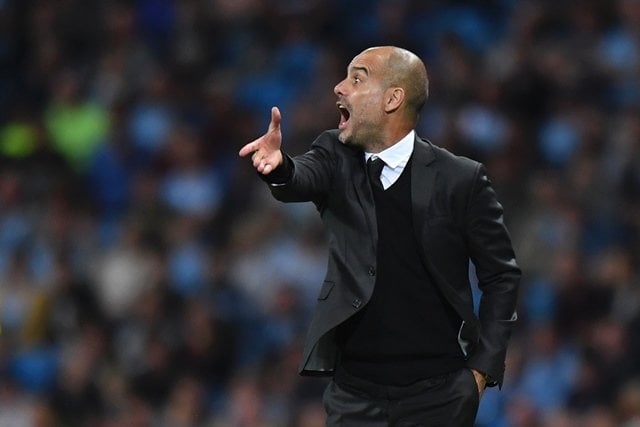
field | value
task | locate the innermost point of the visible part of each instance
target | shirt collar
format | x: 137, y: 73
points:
x: 398, y: 153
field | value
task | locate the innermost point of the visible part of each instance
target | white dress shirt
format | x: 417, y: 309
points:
x: 395, y: 158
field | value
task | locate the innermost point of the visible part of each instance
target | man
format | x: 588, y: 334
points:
x: 394, y: 323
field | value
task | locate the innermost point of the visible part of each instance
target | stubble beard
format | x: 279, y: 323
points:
x: 365, y: 130
x: 351, y: 140
x: 367, y: 139
x: 348, y: 138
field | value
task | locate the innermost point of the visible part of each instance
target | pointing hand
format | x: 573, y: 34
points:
x: 265, y: 151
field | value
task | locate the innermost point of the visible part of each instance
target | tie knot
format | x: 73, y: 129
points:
x: 374, y: 167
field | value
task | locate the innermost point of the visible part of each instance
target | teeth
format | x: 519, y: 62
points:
x: 344, y: 115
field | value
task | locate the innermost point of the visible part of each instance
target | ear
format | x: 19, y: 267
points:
x: 394, y: 97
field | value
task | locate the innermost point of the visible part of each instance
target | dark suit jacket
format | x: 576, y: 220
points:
x: 456, y: 217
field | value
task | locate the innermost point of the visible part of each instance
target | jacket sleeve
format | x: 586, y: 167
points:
x: 307, y: 177
x: 498, y: 275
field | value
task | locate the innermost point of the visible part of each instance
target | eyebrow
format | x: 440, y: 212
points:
x: 354, y: 68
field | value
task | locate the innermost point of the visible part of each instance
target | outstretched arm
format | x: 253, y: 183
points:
x: 265, y: 151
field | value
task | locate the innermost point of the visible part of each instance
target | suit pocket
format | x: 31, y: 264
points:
x: 327, y: 286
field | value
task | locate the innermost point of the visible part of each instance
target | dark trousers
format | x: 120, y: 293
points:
x: 449, y: 400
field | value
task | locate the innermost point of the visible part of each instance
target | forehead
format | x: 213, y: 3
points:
x: 368, y: 61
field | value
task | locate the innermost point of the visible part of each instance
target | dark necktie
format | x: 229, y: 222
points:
x: 374, y: 167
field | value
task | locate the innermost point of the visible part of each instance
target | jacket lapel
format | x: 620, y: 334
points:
x: 423, y: 182
x: 365, y: 195
x: 423, y: 178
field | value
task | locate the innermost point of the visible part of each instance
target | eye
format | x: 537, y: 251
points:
x: 356, y: 80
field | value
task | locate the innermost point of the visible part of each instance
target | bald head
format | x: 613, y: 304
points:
x: 404, y: 69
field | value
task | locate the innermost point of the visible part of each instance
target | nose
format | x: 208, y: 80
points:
x: 338, y: 90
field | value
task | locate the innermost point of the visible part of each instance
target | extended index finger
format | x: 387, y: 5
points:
x: 276, y: 117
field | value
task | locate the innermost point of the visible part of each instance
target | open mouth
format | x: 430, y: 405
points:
x: 344, y: 116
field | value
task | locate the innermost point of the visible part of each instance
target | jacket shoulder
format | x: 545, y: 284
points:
x: 451, y: 163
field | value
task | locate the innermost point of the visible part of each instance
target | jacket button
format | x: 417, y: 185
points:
x: 372, y: 271
x: 356, y: 303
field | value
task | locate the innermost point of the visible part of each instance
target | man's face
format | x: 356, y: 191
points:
x: 361, y: 100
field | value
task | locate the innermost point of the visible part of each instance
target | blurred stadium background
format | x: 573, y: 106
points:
x: 147, y: 278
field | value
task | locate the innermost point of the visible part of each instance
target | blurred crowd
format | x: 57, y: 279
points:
x: 148, y: 279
